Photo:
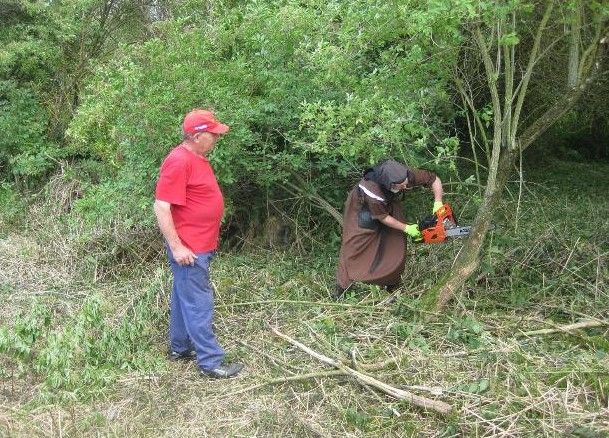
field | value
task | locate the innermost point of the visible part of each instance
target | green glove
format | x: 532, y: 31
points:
x: 436, y: 206
x: 413, y: 231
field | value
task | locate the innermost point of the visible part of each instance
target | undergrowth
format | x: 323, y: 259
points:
x: 82, y: 353
x: 79, y: 355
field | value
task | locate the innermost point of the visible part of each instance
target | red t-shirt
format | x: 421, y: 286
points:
x: 188, y: 183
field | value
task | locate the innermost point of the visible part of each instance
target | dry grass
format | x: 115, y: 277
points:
x: 537, y: 387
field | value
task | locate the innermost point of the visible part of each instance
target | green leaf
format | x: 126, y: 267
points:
x: 510, y: 39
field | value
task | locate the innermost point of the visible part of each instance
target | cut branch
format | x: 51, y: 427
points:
x: 288, y: 379
x: 567, y: 328
x: 433, y: 405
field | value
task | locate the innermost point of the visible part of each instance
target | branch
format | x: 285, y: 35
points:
x: 524, y: 83
x: 574, y: 46
x: 567, y: 328
x: 491, y: 77
x: 288, y: 379
x: 468, y: 98
x: 591, y: 52
x: 434, y: 405
x: 590, y: 60
x: 318, y: 201
x: 508, y: 98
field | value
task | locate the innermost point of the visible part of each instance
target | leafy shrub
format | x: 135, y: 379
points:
x: 13, y: 208
x: 86, y: 351
x: 25, y: 152
x: 467, y: 331
x: 310, y: 91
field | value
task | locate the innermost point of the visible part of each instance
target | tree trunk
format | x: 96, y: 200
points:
x: 574, y: 45
x: 468, y: 259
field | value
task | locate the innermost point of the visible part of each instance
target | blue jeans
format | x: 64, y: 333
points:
x: 192, y: 311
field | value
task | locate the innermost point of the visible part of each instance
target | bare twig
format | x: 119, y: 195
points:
x: 296, y: 378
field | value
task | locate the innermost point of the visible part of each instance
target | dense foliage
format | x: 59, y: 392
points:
x: 309, y: 89
x: 314, y: 92
x: 48, y: 50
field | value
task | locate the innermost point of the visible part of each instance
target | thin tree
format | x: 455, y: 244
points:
x: 508, y: 74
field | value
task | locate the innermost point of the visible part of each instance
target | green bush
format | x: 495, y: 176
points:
x: 25, y: 151
x: 309, y: 90
x: 13, y: 205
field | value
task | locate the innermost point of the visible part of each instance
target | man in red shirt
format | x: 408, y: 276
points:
x: 189, y: 207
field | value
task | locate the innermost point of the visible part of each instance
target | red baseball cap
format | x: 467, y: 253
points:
x: 202, y: 121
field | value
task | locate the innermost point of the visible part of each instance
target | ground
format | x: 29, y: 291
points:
x: 82, y: 350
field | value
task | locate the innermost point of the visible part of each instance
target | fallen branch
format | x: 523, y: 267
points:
x: 288, y: 379
x: 333, y: 373
x: 298, y: 302
x: 437, y: 406
x: 378, y: 366
x: 313, y: 427
x: 478, y: 350
x: 566, y: 328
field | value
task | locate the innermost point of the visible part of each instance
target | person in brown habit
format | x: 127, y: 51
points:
x: 373, y: 248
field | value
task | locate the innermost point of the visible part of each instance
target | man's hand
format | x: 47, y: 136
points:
x: 413, y: 231
x: 183, y: 256
x: 436, y: 206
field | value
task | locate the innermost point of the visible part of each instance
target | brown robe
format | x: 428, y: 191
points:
x: 375, y: 256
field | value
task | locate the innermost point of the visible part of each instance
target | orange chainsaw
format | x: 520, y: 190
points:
x: 441, y: 226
